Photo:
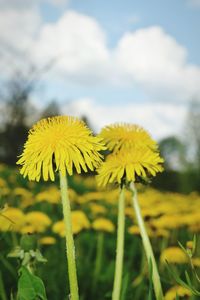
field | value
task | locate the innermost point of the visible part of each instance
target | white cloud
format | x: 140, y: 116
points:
x: 159, y: 119
x: 155, y: 61
x: 77, y: 42
x: 149, y: 57
x: 20, y: 21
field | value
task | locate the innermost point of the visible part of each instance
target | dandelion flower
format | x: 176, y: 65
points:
x: 178, y: 290
x: 12, y: 219
x: 174, y: 255
x: 47, y: 240
x: 125, y: 136
x: 38, y: 220
x: 103, y: 224
x: 129, y: 165
x: 97, y: 208
x: 63, y: 139
x: 79, y: 223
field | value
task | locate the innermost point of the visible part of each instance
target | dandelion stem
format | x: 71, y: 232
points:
x: 70, y: 248
x: 120, y: 247
x: 147, y: 246
x: 99, y: 257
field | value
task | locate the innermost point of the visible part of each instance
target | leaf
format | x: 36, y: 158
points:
x: 178, y: 280
x: 16, y: 252
x: 184, y: 250
x: 177, y: 297
x: 30, y: 287
x: 194, y: 246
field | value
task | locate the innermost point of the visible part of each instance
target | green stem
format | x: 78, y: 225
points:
x: 99, y: 257
x: 70, y: 248
x: 2, y: 288
x: 147, y: 246
x: 120, y: 247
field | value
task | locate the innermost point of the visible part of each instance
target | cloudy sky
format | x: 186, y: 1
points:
x: 114, y: 61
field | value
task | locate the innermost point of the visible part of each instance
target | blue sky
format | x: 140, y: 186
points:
x: 179, y: 18
x: 130, y: 61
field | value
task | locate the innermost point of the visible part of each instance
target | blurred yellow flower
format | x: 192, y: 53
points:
x: 174, y: 255
x: 19, y: 191
x: 3, y: 183
x: 190, y: 245
x: 129, y: 212
x: 97, y: 208
x: 47, y: 240
x: 26, y: 229
x: 26, y: 197
x: 129, y: 165
x: 134, y: 229
x: 11, y: 219
x: 79, y: 222
x: 51, y: 195
x: 103, y: 224
x: 125, y: 136
x: 196, y: 261
x: 38, y: 220
x: 59, y: 228
x: 63, y: 138
x: 168, y: 221
x: 178, y: 290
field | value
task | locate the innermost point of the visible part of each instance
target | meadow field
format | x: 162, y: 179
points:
x: 34, y: 209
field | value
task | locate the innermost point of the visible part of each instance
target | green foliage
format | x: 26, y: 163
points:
x: 192, y: 278
x: 30, y: 287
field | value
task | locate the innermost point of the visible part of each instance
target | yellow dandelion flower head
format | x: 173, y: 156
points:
x: 51, y: 195
x: 190, y: 245
x: 121, y: 136
x: 174, y: 255
x: 134, y: 229
x: 47, y: 240
x: 59, y: 228
x: 181, y: 291
x: 19, y: 191
x: 103, y: 224
x: 97, y: 208
x: 27, y: 229
x: 11, y: 219
x: 129, y: 166
x: 38, y: 220
x: 79, y: 222
x: 64, y: 139
x: 196, y: 262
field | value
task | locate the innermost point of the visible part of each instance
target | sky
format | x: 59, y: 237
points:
x: 112, y: 61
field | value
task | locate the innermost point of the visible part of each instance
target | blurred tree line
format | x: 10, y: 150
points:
x: 182, y: 156
x: 18, y: 114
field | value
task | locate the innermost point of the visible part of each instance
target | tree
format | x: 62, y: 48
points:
x: 173, y: 151
x: 52, y: 109
x: 193, y: 133
x: 15, y: 109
